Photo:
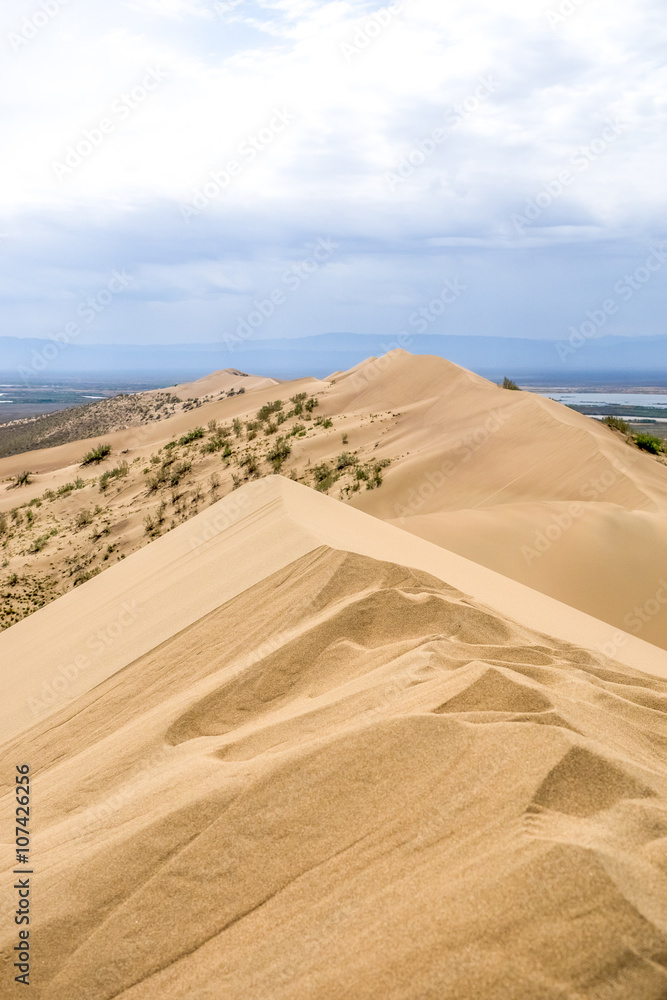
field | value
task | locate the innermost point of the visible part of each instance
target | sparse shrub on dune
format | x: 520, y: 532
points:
x: 120, y: 472
x: 22, y: 479
x: 509, y: 383
x: 193, y: 435
x: 345, y: 460
x: 40, y: 543
x: 617, y: 424
x: 269, y: 409
x: 96, y: 454
x: 647, y: 442
x: 83, y: 518
x: 280, y: 451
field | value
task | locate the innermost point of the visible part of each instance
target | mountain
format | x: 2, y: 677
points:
x: 638, y: 357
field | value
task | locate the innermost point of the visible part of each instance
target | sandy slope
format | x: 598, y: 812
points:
x: 303, y: 770
x: 521, y: 484
x: 511, y: 480
x: 218, y: 382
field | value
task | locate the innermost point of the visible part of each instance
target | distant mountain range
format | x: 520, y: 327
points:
x: 31, y: 359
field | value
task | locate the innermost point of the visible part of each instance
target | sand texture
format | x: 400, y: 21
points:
x: 324, y: 759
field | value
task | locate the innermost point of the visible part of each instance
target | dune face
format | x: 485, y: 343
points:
x: 517, y: 483
x: 522, y: 485
x: 327, y: 775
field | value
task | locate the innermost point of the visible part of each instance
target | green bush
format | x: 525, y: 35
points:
x: 509, y: 383
x: 23, y: 479
x: 617, y: 424
x: 268, y: 409
x: 83, y: 518
x: 193, y: 435
x: 647, y: 442
x: 345, y: 460
x: 280, y: 451
x: 97, y: 454
x: 40, y: 542
x: 119, y: 472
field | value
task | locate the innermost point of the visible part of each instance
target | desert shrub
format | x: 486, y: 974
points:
x: 509, y: 383
x: 344, y: 438
x: 270, y: 428
x: 617, y: 424
x: 97, y: 533
x: 119, y: 472
x: 96, y: 454
x: 269, y: 409
x: 250, y: 464
x: 325, y: 422
x: 214, y: 482
x: 237, y: 427
x: 324, y: 476
x: 280, y: 451
x: 647, y: 442
x: 297, y: 429
x: 345, y: 460
x: 40, y: 543
x: 193, y: 435
x: 83, y: 518
x: 23, y: 479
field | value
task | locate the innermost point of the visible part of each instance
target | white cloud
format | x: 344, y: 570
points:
x: 366, y: 90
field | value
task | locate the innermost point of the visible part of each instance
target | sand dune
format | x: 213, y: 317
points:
x: 522, y: 485
x: 328, y: 759
x: 221, y: 382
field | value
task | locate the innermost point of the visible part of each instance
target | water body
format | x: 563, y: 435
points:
x: 609, y: 398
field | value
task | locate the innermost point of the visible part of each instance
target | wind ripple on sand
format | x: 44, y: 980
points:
x: 353, y: 781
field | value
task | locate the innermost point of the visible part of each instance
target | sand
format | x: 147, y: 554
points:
x: 322, y: 758
x: 510, y: 480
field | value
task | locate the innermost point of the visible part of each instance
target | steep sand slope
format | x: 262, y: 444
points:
x: 521, y: 484
x: 306, y: 771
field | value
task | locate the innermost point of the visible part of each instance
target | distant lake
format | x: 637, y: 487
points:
x: 609, y: 398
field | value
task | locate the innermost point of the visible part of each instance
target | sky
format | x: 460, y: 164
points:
x: 178, y: 171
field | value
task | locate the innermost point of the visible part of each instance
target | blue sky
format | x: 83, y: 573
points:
x: 206, y: 150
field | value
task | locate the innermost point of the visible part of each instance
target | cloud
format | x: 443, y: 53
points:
x: 517, y: 95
